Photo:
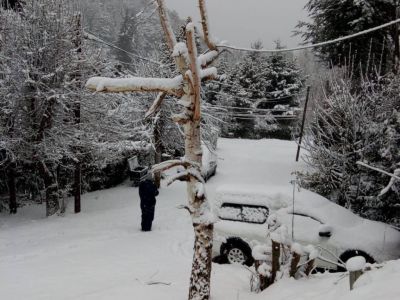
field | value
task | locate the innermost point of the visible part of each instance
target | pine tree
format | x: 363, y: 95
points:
x: 251, y: 84
x: 350, y: 126
x: 332, y: 19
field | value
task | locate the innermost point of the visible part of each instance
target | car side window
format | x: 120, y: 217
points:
x: 244, y: 213
x: 255, y: 214
x: 231, y: 212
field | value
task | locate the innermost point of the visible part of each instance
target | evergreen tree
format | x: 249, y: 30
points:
x: 331, y: 19
x: 349, y: 127
x: 253, y: 84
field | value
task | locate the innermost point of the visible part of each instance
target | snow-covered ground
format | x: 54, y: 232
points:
x: 102, y: 254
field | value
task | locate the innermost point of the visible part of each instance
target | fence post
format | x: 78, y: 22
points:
x: 354, y: 275
x: 355, y: 266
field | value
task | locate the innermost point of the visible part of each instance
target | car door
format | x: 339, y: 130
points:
x: 308, y: 230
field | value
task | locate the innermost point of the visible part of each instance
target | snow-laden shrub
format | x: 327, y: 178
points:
x: 349, y: 126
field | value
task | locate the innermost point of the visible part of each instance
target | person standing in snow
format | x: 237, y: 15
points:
x: 147, y: 192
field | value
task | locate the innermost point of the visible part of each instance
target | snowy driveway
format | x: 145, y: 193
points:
x: 102, y: 254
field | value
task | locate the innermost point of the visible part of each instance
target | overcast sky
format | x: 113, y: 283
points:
x: 241, y: 22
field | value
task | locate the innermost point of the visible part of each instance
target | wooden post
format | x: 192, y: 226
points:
x: 293, y: 264
x: 263, y: 280
x: 302, y: 123
x: 353, y: 276
x: 276, y: 252
x: 310, y: 267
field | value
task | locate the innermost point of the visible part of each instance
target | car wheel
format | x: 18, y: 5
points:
x: 237, y: 251
x: 352, y: 253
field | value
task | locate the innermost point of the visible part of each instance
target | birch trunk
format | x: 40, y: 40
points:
x: 189, y: 92
x: 203, y: 229
x: 203, y: 232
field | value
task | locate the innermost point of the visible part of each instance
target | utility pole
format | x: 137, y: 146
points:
x: 302, y: 124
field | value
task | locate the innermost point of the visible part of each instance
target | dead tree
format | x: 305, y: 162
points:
x: 193, y: 70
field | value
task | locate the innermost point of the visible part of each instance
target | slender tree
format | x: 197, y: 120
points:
x: 193, y: 70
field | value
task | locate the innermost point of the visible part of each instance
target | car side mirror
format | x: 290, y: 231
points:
x: 325, y: 234
x: 325, y: 231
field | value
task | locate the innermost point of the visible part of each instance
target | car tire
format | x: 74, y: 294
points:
x: 236, y: 251
x: 352, y: 253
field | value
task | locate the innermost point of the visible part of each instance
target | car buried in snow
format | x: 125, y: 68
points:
x: 335, y: 231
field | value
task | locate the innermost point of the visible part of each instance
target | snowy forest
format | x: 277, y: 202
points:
x: 103, y: 103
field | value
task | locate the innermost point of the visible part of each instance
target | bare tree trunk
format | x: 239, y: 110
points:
x: 12, y: 189
x: 396, y: 41
x: 158, y: 151
x: 77, y: 187
x: 51, y: 188
x: 77, y: 114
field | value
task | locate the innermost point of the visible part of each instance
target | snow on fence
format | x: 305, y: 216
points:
x: 280, y: 257
x: 355, y: 266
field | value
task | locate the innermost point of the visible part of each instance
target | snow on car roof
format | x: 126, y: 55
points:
x: 278, y: 197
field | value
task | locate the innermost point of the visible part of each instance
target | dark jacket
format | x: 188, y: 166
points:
x: 147, y: 192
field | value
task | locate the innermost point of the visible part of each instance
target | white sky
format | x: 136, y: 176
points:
x: 241, y: 22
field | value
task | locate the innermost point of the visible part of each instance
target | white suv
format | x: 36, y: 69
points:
x: 335, y: 231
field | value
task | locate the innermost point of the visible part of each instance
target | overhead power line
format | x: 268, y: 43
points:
x: 344, y: 38
x: 92, y: 37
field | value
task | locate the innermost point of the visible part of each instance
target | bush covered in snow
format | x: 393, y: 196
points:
x: 352, y: 125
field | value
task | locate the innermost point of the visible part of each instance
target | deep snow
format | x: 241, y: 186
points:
x: 102, y: 254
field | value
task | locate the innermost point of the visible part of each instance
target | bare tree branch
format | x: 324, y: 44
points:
x: 204, y: 24
x: 156, y: 104
x: 166, y: 25
x: 194, y: 69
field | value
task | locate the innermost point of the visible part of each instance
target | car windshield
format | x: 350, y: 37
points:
x: 243, y: 213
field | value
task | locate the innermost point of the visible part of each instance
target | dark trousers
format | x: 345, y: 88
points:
x: 147, y: 217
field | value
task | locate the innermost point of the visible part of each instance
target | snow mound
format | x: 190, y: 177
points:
x: 356, y: 263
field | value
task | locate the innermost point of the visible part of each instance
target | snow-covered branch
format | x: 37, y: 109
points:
x: 174, y: 163
x: 395, y: 176
x: 391, y: 182
x: 166, y: 25
x: 136, y: 84
x: 207, y: 58
x: 209, y: 73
